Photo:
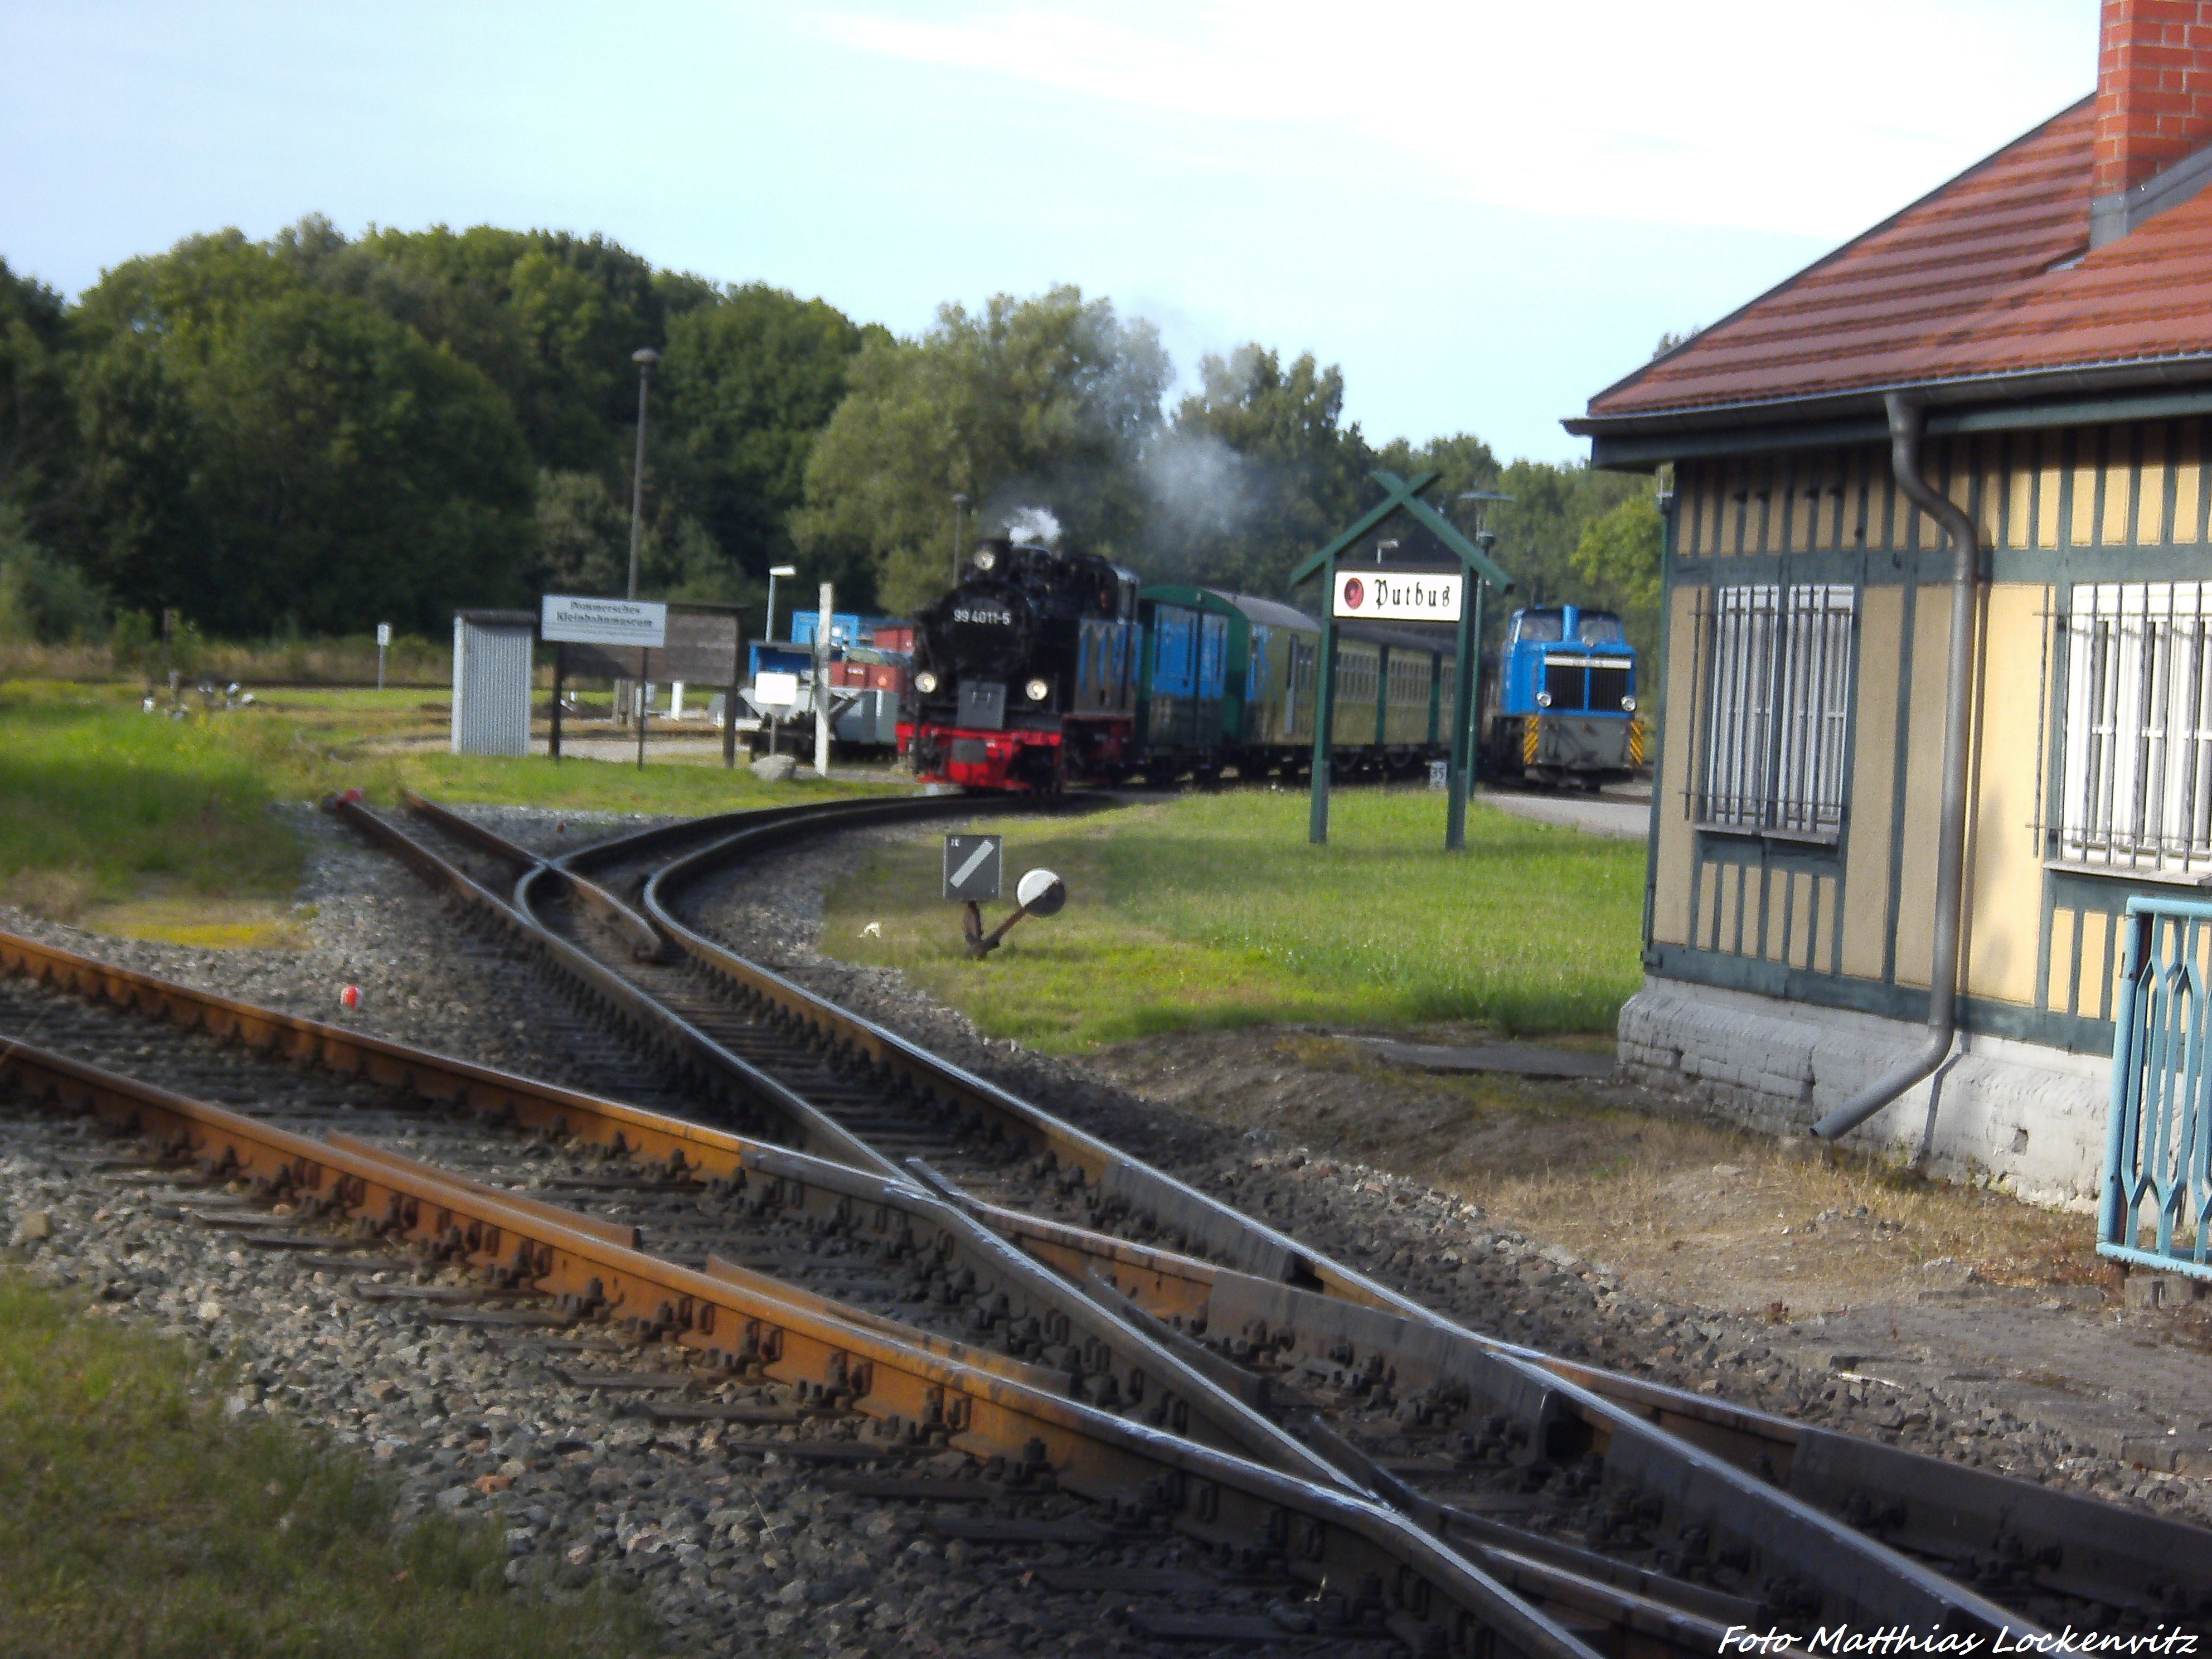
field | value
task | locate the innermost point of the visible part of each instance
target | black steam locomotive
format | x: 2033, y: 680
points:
x: 1025, y: 675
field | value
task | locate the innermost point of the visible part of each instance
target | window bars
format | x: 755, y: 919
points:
x: 1778, y: 716
x: 2135, y: 786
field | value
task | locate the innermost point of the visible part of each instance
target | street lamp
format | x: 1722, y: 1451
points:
x: 959, y: 506
x: 773, y: 571
x: 1381, y: 547
x: 645, y: 357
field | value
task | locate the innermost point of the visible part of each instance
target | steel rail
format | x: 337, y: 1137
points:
x: 2071, y: 1545
x: 1839, y: 1570
x: 1433, y: 1599
x: 834, y: 1197
x: 1116, y: 1362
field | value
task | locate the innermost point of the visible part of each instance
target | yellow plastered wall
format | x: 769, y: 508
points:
x: 1866, y: 862
x: 2005, y: 876
x: 1924, y: 784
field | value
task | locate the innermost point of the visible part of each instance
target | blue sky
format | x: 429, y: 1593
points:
x: 1484, y: 212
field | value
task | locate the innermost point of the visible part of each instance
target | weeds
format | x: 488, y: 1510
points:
x: 136, y: 1522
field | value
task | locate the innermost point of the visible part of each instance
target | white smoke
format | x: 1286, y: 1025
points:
x: 1039, y: 527
x: 1198, y: 486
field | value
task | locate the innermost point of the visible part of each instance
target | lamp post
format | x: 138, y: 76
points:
x: 959, y: 506
x: 773, y: 571
x: 645, y: 357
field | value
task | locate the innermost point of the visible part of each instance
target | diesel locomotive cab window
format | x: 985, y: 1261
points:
x: 1776, y: 714
x: 2136, y: 783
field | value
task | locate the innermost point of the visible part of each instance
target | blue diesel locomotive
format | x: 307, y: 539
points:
x: 1559, y: 700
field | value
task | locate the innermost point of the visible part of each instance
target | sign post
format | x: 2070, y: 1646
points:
x: 578, y: 619
x: 383, y: 644
x: 1432, y: 596
x: 1324, y: 721
x: 560, y: 674
x: 822, y: 682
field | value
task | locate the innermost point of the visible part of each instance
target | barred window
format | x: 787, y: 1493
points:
x: 1778, y: 710
x: 2136, y: 784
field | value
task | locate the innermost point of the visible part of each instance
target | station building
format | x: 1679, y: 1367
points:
x: 2034, y: 338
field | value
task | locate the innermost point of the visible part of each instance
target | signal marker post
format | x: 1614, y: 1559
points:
x: 1462, y: 603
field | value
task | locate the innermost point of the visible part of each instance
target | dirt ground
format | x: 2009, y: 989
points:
x: 1685, y: 1209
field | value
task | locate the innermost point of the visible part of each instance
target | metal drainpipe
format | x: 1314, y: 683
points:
x: 1904, y: 427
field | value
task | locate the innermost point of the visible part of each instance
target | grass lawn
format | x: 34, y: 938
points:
x: 1213, y: 910
x: 138, y: 1523
x: 161, y: 828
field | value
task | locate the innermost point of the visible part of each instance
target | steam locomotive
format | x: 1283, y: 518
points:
x: 1044, y: 668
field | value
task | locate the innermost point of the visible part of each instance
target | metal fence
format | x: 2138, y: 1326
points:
x: 2156, y: 1209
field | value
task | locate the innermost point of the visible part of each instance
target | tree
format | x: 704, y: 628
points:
x: 38, y: 426
x: 1256, y: 469
x: 750, y: 379
x: 1619, y: 555
x: 269, y: 453
x: 1044, y: 403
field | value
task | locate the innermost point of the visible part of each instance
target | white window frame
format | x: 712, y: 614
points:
x: 1776, y: 727
x: 2135, y: 781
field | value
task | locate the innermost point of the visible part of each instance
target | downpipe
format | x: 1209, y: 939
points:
x: 1904, y: 432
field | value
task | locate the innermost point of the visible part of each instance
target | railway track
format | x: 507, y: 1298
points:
x: 990, y: 1252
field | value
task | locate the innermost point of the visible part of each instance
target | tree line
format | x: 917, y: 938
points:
x: 311, y: 434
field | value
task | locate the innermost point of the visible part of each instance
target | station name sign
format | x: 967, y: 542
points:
x: 572, y: 619
x: 1398, y: 595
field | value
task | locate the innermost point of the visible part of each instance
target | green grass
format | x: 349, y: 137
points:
x: 101, y: 803
x: 1214, y: 910
x: 134, y: 1523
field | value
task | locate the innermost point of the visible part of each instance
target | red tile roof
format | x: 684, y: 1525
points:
x: 1989, y: 277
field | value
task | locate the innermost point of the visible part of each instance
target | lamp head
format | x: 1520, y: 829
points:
x: 645, y: 356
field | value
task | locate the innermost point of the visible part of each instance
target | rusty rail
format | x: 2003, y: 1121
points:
x: 1841, y: 1571
x: 1434, y: 1599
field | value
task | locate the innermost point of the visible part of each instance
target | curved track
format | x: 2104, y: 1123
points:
x: 1795, y: 1521
x: 802, y: 1196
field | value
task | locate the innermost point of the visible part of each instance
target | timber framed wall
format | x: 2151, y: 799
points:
x: 1845, y: 923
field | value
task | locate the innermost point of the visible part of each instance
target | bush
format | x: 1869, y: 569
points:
x: 43, y: 598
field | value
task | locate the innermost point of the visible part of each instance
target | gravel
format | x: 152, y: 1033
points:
x: 740, y: 1547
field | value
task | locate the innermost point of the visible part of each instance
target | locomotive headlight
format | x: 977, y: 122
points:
x: 1038, y: 691
x: 986, y: 559
x: 925, y: 682
x: 1628, y: 705
x: 1543, y: 700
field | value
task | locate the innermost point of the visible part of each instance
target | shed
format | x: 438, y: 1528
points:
x: 491, y: 681
x: 1938, y: 635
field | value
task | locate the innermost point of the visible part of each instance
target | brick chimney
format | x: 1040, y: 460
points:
x: 2154, y: 105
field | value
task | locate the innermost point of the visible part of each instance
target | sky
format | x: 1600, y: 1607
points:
x: 1485, y: 212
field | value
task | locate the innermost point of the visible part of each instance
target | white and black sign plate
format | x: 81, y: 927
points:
x: 578, y: 619
x: 972, y: 865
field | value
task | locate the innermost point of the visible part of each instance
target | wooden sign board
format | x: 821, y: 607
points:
x: 702, y: 646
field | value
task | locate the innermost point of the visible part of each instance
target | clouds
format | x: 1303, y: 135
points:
x: 1813, y: 119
